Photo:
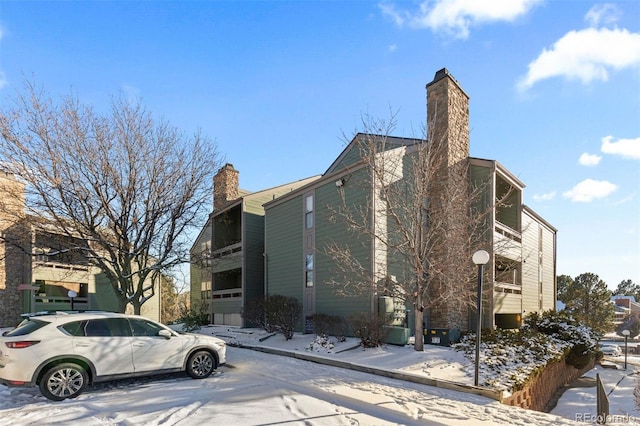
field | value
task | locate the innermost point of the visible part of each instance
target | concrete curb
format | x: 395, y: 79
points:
x: 414, y: 378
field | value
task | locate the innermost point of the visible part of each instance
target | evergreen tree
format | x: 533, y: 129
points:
x: 564, y: 282
x: 628, y: 288
x: 588, y: 299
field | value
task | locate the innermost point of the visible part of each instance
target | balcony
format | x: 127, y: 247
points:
x: 227, y: 250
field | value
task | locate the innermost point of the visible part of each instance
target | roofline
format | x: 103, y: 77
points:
x: 496, y: 165
x: 539, y: 218
x: 315, y: 184
x: 390, y: 138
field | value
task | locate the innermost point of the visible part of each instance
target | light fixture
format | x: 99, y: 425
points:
x: 480, y: 258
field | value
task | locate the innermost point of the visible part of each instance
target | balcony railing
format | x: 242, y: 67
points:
x: 508, y: 232
x: 227, y: 294
x: 226, y: 251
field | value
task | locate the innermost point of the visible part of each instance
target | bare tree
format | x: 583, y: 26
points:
x: 127, y: 186
x: 424, y: 217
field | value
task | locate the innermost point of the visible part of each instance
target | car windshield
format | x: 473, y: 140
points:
x: 28, y: 325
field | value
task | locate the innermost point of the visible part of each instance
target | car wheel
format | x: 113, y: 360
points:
x: 201, y: 364
x: 63, y: 381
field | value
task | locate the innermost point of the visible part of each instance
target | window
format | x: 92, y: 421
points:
x: 308, y: 270
x: 308, y: 212
x: 75, y: 328
x: 107, y: 327
x: 25, y: 327
x: 144, y: 328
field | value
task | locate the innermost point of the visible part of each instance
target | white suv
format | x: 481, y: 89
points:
x: 63, y: 352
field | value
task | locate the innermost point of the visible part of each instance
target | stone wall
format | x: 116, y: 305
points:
x: 14, y: 264
x: 448, y: 139
x: 225, y: 186
x: 541, y: 389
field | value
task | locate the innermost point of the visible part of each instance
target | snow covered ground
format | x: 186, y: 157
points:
x: 444, y: 363
x: 259, y: 389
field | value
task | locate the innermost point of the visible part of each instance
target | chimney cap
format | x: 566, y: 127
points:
x: 442, y: 73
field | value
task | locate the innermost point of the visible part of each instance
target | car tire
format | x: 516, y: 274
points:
x: 62, y: 381
x: 201, y: 364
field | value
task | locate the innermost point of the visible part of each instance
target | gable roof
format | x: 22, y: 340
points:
x: 351, y: 153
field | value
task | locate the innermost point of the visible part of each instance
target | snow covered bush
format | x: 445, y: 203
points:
x: 561, y: 325
x: 511, y: 358
x: 322, y: 343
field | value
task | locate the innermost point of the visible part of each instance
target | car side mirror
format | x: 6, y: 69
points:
x: 164, y: 333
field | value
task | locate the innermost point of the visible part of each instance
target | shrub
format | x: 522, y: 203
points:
x: 275, y: 314
x: 282, y: 313
x: 192, y: 319
x: 254, y: 313
x: 560, y: 325
x: 369, y: 328
x: 330, y: 325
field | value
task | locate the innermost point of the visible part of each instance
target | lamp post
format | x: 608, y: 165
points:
x: 480, y: 258
x: 625, y: 333
x: 72, y: 294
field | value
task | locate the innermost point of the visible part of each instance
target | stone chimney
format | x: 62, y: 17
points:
x: 448, y: 117
x: 225, y: 186
x: 12, y: 199
x: 15, y: 263
x: 448, y: 139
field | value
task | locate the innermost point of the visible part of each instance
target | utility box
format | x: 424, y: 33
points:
x: 385, y: 305
x: 396, y: 335
x: 441, y: 336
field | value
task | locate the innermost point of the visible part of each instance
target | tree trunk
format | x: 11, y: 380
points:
x: 418, y: 344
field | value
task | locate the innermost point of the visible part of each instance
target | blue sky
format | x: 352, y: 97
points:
x: 554, y: 89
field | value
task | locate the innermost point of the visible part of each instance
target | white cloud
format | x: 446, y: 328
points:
x: 455, y: 17
x: 625, y: 200
x: 585, y: 55
x: 589, y: 159
x: 627, y: 148
x: 545, y: 197
x: 589, y: 190
x: 393, y: 47
x: 603, y: 14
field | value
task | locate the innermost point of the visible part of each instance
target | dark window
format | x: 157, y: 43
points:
x: 108, y: 327
x: 144, y: 328
x: 25, y: 327
x: 308, y: 212
x: 84, y: 290
x: 75, y: 328
x: 309, y: 270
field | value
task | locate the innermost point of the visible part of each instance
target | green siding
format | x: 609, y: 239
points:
x: 283, y: 233
x: 253, y: 246
x: 228, y: 263
x: 104, y: 298
x: 230, y: 306
x: 351, y: 157
x: 357, y: 194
